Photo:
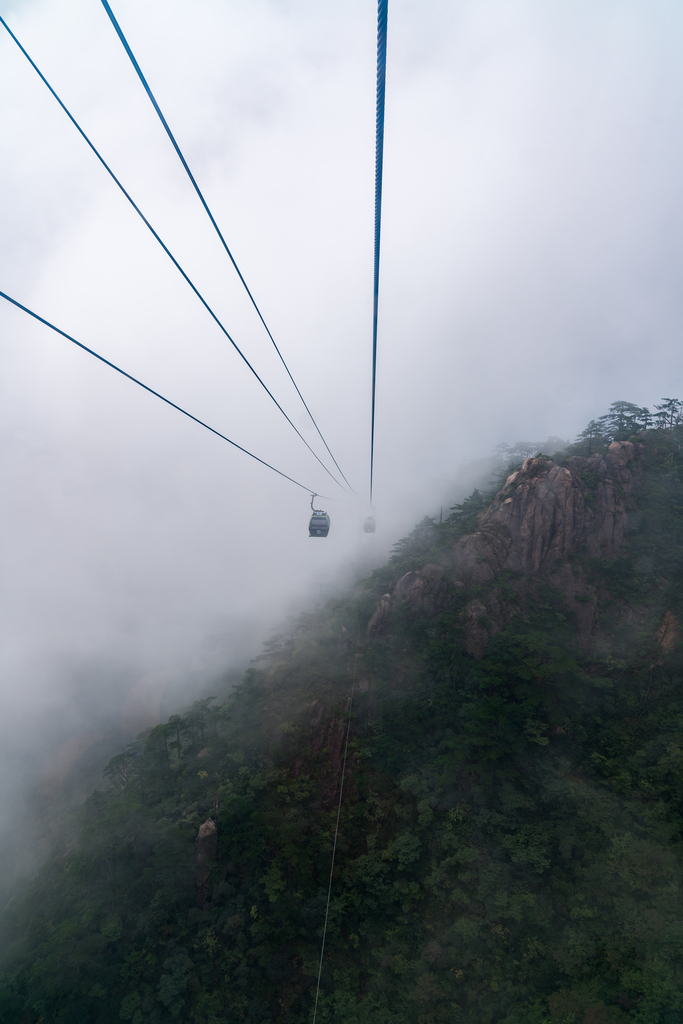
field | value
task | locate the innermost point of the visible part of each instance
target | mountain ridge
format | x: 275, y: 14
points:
x: 511, y: 831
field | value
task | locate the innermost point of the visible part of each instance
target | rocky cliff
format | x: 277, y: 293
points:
x: 545, y: 512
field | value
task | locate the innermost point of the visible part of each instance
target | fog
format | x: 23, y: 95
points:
x: 531, y: 264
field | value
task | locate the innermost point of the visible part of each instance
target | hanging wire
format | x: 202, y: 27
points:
x: 382, y: 14
x: 336, y: 830
x: 156, y: 394
x: 166, y: 249
x: 145, y: 83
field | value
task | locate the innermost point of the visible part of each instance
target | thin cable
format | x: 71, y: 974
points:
x: 151, y: 391
x: 145, y: 83
x: 165, y: 247
x: 336, y: 831
x: 382, y: 14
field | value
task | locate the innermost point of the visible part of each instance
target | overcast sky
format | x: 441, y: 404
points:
x: 531, y: 265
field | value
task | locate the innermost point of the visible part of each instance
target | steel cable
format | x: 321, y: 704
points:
x: 156, y: 394
x: 336, y: 829
x: 164, y: 247
x: 152, y: 98
x: 382, y: 14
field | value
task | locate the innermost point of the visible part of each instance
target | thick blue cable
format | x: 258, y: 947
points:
x: 164, y: 247
x: 152, y: 98
x: 156, y: 394
x: 382, y: 14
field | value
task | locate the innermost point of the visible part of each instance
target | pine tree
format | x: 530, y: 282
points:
x: 669, y: 414
x: 591, y: 439
x: 465, y: 516
x: 624, y: 419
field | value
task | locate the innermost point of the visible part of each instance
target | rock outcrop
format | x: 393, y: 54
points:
x: 207, y: 847
x: 546, y: 512
x: 424, y: 591
x: 379, y: 621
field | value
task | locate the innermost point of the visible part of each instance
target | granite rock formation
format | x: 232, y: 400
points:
x: 544, y: 513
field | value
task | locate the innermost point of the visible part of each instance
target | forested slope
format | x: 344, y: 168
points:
x: 510, y: 838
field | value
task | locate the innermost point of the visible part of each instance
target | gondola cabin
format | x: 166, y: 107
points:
x: 369, y: 525
x: 319, y: 525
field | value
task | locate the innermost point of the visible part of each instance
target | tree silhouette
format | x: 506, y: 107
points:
x: 624, y: 419
x: 592, y: 438
x: 669, y: 413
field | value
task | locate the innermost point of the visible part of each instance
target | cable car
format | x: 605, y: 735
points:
x: 319, y: 526
x: 369, y: 526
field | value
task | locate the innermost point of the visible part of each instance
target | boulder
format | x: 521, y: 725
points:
x: 207, y: 847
